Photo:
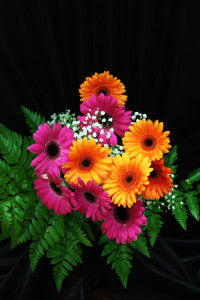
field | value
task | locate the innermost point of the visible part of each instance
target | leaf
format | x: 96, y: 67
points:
x: 119, y: 256
x: 193, y: 206
x: 180, y: 214
x: 33, y: 119
x: 11, y: 151
x: 154, y: 225
x: 108, y: 248
x: 171, y: 157
x: 194, y: 176
x: 141, y: 245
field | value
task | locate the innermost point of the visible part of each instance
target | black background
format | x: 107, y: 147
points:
x: 47, y: 48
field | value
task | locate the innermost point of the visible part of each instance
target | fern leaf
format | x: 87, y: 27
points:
x: 194, y: 176
x: 180, y: 214
x: 119, y: 256
x: 11, y: 152
x: 171, y: 157
x: 33, y: 119
x: 193, y: 206
x: 154, y: 225
x: 120, y: 260
x: 141, y: 245
x: 6, y: 218
x: 11, y: 135
x: 36, y: 252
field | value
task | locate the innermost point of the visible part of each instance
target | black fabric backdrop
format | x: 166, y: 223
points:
x: 47, y: 48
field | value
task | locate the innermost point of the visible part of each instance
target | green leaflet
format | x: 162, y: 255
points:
x: 170, y: 158
x: 141, y: 245
x: 180, y: 214
x: 192, y: 203
x: 194, y: 176
x: 119, y: 256
x: 154, y: 225
x: 32, y: 119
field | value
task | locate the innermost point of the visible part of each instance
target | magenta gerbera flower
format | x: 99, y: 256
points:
x: 103, y: 119
x: 54, y: 195
x: 52, y: 147
x: 90, y: 199
x: 123, y: 223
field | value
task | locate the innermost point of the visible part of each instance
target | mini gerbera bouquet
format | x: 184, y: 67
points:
x: 108, y: 170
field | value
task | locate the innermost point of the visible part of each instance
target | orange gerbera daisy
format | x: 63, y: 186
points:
x: 160, y: 182
x: 147, y: 138
x: 88, y: 161
x: 103, y: 83
x: 127, y: 179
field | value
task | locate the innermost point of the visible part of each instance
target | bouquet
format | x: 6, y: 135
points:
x: 107, y: 170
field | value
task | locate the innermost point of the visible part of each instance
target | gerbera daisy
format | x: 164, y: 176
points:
x: 147, y: 138
x: 52, y: 147
x: 103, y: 83
x: 104, y: 118
x: 91, y: 199
x: 54, y: 195
x: 160, y: 183
x: 123, y: 223
x: 87, y: 160
x: 127, y: 179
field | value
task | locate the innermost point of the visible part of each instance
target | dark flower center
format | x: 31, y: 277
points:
x: 148, y: 142
x: 52, y: 150
x: 90, y: 197
x: 86, y: 163
x: 153, y: 174
x: 121, y: 214
x: 55, y: 188
x: 102, y: 89
x: 129, y: 179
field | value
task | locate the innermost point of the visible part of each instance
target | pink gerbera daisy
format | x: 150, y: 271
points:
x: 104, y: 119
x: 54, y: 195
x: 52, y: 145
x: 123, y: 223
x: 90, y: 199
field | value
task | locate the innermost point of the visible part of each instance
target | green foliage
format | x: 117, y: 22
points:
x: 141, y: 244
x: 187, y: 195
x: 154, y: 225
x: 170, y: 159
x: 180, y: 214
x: 119, y: 256
x: 32, y: 119
x: 24, y: 218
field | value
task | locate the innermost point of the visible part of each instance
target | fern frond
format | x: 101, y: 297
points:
x: 10, y: 150
x: 154, y: 225
x: 119, y: 256
x: 33, y: 119
x: 11, y: 135
x: 193, y: 205
x: 180, y: 213
x: 141, y: 245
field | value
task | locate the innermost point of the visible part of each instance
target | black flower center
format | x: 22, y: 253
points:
x: 86, y: 163
x: 148, y: 142
x: 90, y: 197
x: 153, y: 174
x: 52, y: 150
x: 121, y: 214
x: 103, y: 91
x: 56, y: 189
x: 129, y: 179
